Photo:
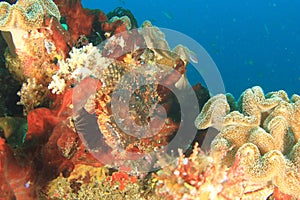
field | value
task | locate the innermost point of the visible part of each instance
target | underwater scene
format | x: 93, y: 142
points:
x: 195, y: 99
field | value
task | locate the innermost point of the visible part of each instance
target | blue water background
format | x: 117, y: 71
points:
x: 253, y: 42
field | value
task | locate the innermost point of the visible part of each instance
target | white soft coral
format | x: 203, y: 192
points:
x: 82, y: 63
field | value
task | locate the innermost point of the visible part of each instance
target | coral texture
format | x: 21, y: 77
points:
x: 87, y: 182
x: 81, y: 138
x: 35, y: 41
x: 23, y: 17
x: 26, y: 14
x: 202, y: 176
x: 263, y: 134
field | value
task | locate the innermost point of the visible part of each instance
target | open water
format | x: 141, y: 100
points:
x: 252, y: 42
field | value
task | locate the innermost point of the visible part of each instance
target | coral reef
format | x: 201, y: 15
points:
x: 97, y: 183
x: 32, y: 94
x: 81, y: 63
x: 263, y: 133
x: 35, y: 42
x: 25, y: 16
x: 100, y: 117
x: 128, y: 53
x: 40, y: 34
x: 202, y: 176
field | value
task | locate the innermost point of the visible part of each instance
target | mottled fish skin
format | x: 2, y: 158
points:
x: 86, y: 125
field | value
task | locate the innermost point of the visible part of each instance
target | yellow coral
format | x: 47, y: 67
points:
x: 32, y: 94
x: 263, y: 133
x: 91, y: 182
x: 86, y: 171
x: 261, y: 168
x: 253, y: 103
x: 295, y: 120
x: 213, y: 112
x: 288, y: 178
x: 26, y: 14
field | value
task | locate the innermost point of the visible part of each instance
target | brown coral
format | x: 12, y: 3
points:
x: 263, y: 133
